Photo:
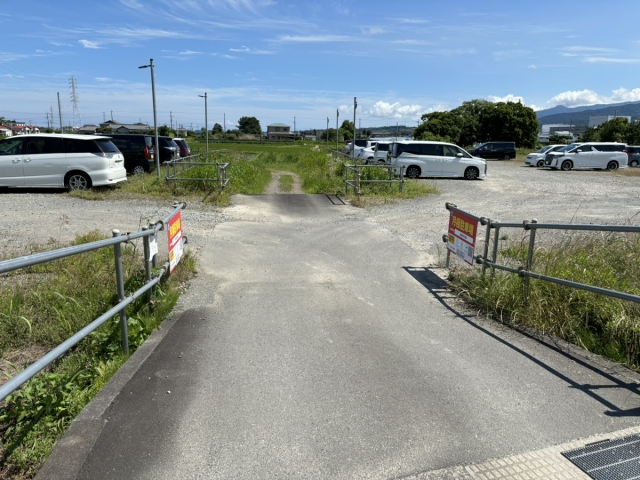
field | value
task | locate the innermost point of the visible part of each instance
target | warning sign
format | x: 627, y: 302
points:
x: 462, y: 235
x: 174, y: 230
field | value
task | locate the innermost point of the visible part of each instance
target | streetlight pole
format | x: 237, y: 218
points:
x: 155, y: 117
x: 206, y: 121
x: 327, y: 133
x: 353, y: 149
x: 337, y: 117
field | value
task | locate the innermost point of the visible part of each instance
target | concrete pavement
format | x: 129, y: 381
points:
x: 314, y: 344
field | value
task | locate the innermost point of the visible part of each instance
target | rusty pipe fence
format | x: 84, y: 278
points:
x: 355, y: 180
x: 525, y: 271
x: 175, y: 170
x: 124, y: 300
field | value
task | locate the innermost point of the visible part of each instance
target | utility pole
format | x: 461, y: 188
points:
x: 353, y: 149
x: 155, y: 117
x: 359, y: 127
x: 396, y: 130
x: 224, y: 121
x: 327, y: 133
x: 60, y: 113
x: 294, y: 128
x: 171, y: 118
x: 48, y: 126
x: 206, y: 121
x: 337, y: 117
x: 112, y: 113
x: 104, y: 117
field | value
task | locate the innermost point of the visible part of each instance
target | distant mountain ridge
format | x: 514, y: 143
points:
x: 580, y: 115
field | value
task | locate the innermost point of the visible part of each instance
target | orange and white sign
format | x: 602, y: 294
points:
x: 174, y: 230
x: 462, y: 235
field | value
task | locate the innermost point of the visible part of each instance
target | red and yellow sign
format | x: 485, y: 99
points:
x: 462, y: 235
x: 174, y: 230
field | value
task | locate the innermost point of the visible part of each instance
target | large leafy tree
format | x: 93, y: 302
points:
x: 217, y: 128
x: 614, y: 130
x: 511, y: 121
x: 590, y: 135
x: 249, y: 125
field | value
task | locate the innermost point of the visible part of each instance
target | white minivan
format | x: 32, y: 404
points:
x: 435, y: 159
x: 76, y: 162
x: 595, y: 155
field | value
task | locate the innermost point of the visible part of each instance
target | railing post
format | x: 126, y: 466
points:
x: 532, y: 243
x: 346, y: 179
x: 402, y: 178
x: 494, y: 258
x: 124, y: 331
x: 147, y: 262
x: 487, y: 239
x: 356, y: 179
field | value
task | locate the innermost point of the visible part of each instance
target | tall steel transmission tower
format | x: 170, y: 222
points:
x: 74, y: 101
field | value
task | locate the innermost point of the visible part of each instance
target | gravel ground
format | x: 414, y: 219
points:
x: 512, y: 192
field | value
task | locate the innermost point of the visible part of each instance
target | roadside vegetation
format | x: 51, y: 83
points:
x: 249, y: 170
x: 42, y: 306
x: 600, y: 324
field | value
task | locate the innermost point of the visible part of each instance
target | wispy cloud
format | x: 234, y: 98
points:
x: 532, y: 67
x: 412, y: 21
x: 412, y: 42
x: 89, y: 44
x: 373, y: 30
x: 394, y: 110
x: 244, y: 49
x: 509, y: 54
x: 59, y: 44
x: 610, y: 60
x: 314, y: 38
x: 507, y: 98
x: 576, y: 98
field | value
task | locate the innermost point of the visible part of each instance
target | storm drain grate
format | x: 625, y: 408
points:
x: 609, y: 460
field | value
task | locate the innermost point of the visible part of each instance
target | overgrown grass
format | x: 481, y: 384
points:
x: 43, y: 305
x: 601, y: 324
x: 286, y: 183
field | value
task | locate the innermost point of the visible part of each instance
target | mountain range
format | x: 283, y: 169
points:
x: 580, y: 115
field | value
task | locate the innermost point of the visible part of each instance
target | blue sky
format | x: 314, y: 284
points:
x: 277, y: 60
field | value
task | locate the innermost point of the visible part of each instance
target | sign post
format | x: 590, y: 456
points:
x: 461, y: 240
x: 174, y: 230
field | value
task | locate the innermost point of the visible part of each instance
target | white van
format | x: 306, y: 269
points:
x: 596, y: 155
x: 435, y: 159
x: 76, y: 162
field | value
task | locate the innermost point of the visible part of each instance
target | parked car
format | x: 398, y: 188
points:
x: 381, y: 152
x: 634, y: 155
x: 536, y: 159
x: 168, y: 150
x: 76, y: 162
x: 499, y: 150
x: 365, y: 155
x: 596, y: 155
x: 435, y: 159
x: 185, y: 150
x: 138, y: 151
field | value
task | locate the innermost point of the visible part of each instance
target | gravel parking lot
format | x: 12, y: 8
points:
x: 513, y: 192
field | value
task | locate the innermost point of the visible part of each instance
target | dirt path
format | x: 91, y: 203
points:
x: 274, y: 186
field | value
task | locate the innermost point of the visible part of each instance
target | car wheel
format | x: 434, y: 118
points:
x: 566, y: 165
x: 634, y: 163
x: 78, y: 181
x: 506, y: 157
x: 471, y: 173
x: 612, y: 166
x: 413, y: 172
x: 540, y: 163
x: 138, y: 170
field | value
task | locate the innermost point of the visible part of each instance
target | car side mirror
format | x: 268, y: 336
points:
x: 459, y: 154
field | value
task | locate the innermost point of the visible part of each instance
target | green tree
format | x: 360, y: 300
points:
x: 614, y: 130
x: 590, y: 135
x: 249, y: 125
x: 164, y: 130
x: 444, y: 126
x: 633, y: 133
x: 510, y: 121
x: 332, y: 135
x: 345, y: 133
x: 347, y: 126
x: 217, y: 128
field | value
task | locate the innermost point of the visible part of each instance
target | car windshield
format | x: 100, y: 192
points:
x: 568, y: 147
x: 545, y: 149
x: 107, y: 146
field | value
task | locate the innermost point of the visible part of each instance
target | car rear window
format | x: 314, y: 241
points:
x: 361, y: 143
x: 121, y: 142
x: 382, y: 147
x: 107, y: 145
x: 419, y: 148
x: 611, y: 147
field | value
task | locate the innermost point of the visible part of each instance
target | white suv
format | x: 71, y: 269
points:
x: 76, y: 162
x: 536, y: 159
x: 596, y: 155
x: 435, y: 159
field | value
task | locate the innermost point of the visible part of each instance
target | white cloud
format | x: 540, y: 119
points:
x: 88, y: 44
x: 576, y: 98
x: 532, y: 67
x: 412, y: 42
x: 373, y: 30
x: 506, y: 98
x: 190, y: 52
x: 509, y: 54
x: 313, y: 38
x: 394, y: 110
x: 241, y: 49
x: 610, y: 60
x: 244, y: 49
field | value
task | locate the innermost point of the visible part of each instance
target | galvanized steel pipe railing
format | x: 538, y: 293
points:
x: 525, y: 271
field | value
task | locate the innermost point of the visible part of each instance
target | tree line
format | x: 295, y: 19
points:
x: 479, y: 121
x: 614, y: 130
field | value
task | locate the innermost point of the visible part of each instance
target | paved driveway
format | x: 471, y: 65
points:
x: 314, y: 344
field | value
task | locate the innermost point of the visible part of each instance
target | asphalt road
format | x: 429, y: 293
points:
x: 314, y: 344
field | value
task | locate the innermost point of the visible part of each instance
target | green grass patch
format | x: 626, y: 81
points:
x: 43, y: 305
x: 286, y: 183
x: 598, y: 323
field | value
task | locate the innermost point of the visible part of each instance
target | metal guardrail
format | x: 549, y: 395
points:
x: 357, y: 180
x: 532, y: 226
x: 123, y: 300
x: 178, y: 166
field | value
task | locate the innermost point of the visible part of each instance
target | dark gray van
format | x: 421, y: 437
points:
x: 499, y: 150
x: 137, y: 150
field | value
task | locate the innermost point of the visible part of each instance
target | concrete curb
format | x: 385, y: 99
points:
x: 69, y: 454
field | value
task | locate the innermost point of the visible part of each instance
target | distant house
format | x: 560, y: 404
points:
x: 23, y: 129
x: 112, y: 124
x: 279, y: 132
x: 5, y: 131
x: 88, y: 129
x: 131, y: 128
